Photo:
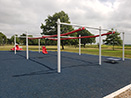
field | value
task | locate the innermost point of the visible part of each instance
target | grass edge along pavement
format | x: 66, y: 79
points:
x: 89, y: 49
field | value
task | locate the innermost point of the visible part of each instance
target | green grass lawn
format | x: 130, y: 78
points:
x: 89, y: 49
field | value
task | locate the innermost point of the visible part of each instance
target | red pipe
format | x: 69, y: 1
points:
x: 84, y: 36
x: 80, y: 29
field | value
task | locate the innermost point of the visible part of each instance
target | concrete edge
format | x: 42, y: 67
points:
x: 116, y: 93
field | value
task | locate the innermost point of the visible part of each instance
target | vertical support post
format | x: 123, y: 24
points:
x: 27, y: 52
x: 58, y: 47
x: 99, y: 45
x: 45, y: 42
x: 15, y: 43
x: 123, y: 52
x: 39, y: 44
x: 79, y: 45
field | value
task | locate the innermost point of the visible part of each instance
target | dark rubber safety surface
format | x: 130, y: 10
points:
x: 81, y: 76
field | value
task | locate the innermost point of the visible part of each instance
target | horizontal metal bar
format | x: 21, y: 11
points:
x: 22, y: 36
x: 76, y: 25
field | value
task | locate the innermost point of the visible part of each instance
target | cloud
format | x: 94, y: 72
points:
x: 22, y: 15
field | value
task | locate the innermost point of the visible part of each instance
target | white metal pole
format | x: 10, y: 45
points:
x: 99, y: 45
x: 79, y: 45
x: 39, y: 44
x: 123, y: 56
x: 76, y: 25
x: 58, y: 47
x: 15, y: 43
x: 27, y: 52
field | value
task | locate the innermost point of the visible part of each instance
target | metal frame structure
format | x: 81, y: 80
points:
x: 27, y: 52
x: 59, y: 43
x: 79, y: 45
x: 123, y: 49
x: 27, y: 49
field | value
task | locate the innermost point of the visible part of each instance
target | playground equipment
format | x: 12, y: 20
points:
x: 44, y: 51
x: 58, y: 39
x: 112, y: 60
x: 17, y: 48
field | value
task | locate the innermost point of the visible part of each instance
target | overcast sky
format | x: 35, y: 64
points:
x: 18, y: 16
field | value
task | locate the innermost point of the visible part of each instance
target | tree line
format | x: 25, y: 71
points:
x: 50, y: 28
x: 19, y: 40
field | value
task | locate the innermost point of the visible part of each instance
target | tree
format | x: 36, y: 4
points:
x: 17, y: 39
x: 86, y: 40
x: 22, y: 40
x: 113, y: 39
x: 3, y: 39
x: 9, y: 41
x: 50, y: 27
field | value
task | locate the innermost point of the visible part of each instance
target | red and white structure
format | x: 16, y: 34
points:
x: 59, y: 36
x: 58, y: 39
